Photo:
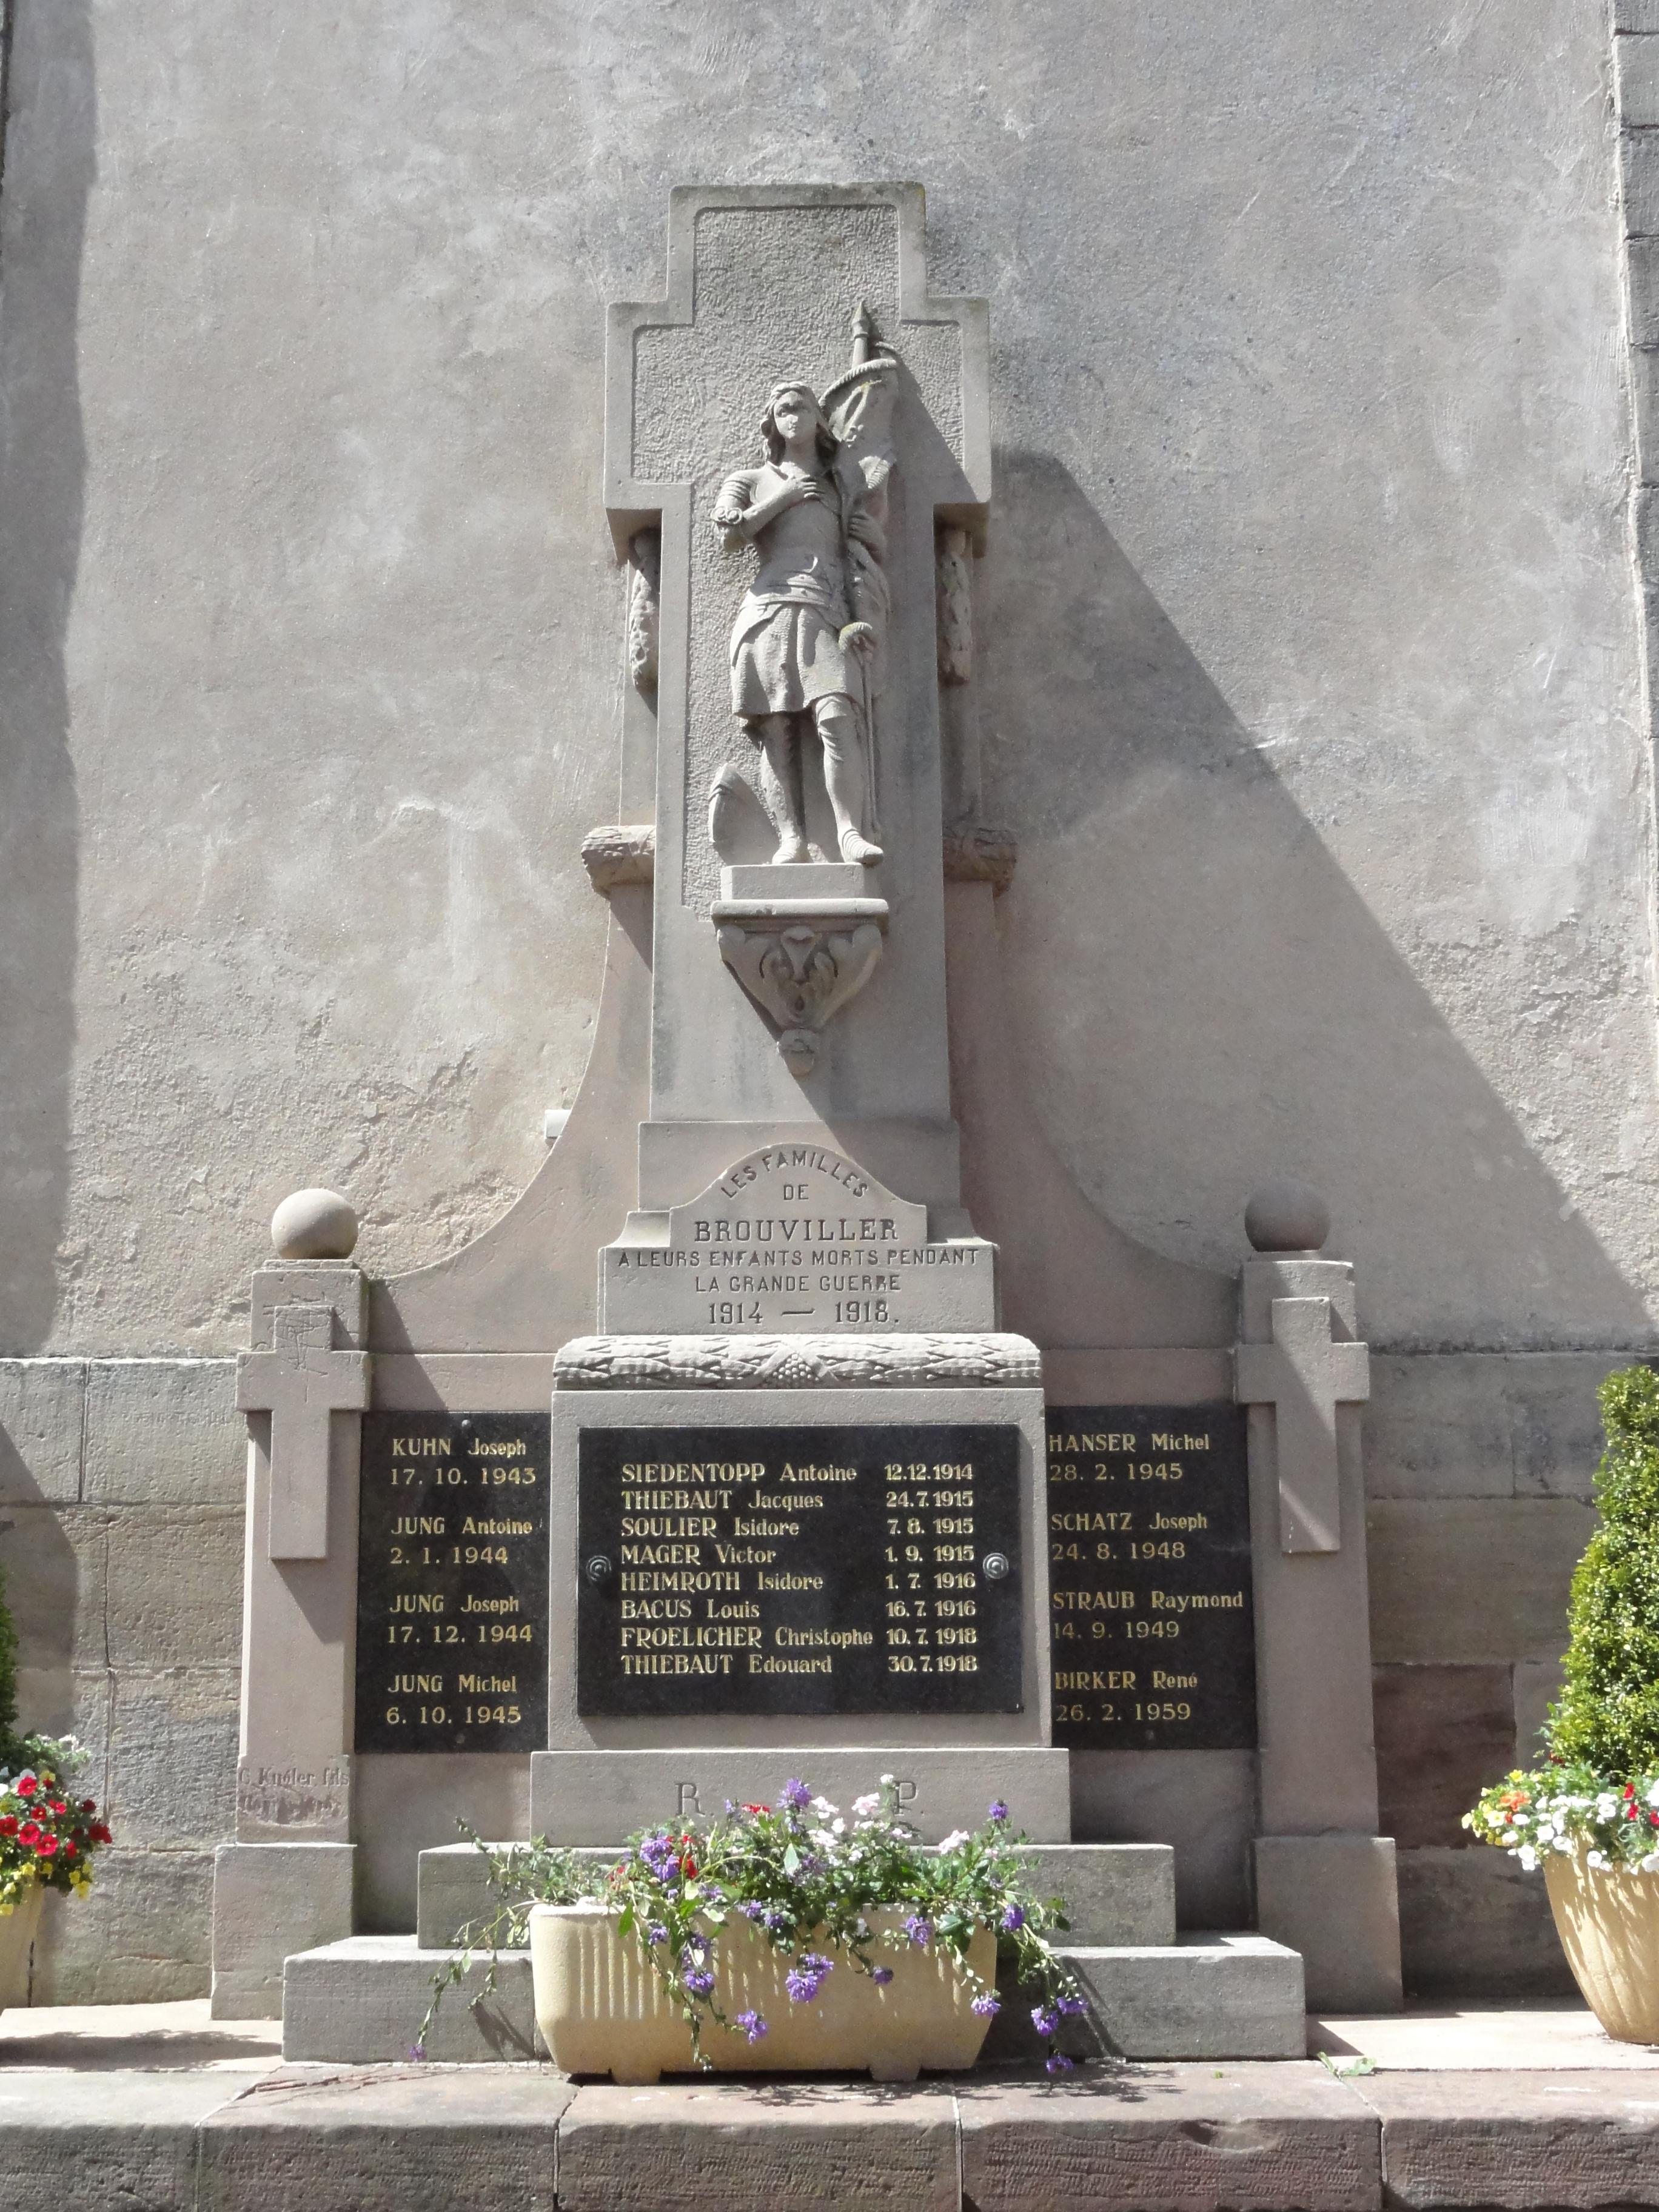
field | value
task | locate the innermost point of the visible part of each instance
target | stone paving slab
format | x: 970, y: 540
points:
x: 788, y: 2143
x: 386, y: 2139
x: 1436, y: 2038
x: 1263, y: 2134
x: 1519, y: 2140
x: 111, y: 2141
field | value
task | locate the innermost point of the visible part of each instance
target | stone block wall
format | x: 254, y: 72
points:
x: 121, y: 1489
x: 120, y: 1534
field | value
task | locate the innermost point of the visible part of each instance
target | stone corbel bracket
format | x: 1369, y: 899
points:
x: 801, y: 961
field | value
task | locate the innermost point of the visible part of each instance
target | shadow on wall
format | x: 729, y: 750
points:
x: 1234, y: 1011
x: 46, y: 169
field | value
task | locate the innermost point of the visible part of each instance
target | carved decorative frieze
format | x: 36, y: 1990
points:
x: 977, y: 852
x: 802, y: 968
x: 645, y: 554
x: 620, y: 853
x: 798, y: 1363
x: 954, y: 579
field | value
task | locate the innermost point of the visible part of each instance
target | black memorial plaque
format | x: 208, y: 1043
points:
x: 451, y: 1582
x: 1149, y: 1578
x: 800, y: 1571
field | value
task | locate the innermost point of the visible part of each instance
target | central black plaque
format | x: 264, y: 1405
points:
x: 800, y: 1571
x: 1149, y: 1578
x: 451, y: 1582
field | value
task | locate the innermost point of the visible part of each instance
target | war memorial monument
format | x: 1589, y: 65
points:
x: 933, y: 951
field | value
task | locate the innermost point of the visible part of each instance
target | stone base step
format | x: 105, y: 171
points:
x: 1203, y: 1996
x: 1114, y: 1894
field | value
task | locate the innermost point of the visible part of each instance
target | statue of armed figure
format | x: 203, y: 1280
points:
x: 809, y: 645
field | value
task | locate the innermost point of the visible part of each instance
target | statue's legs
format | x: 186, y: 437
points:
x: 843, y: 775
x: 781, y: 786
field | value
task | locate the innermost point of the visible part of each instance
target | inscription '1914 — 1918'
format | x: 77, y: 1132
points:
x: 800, y: 1571
x: 1152, y: 1623
x: 451, y: 1582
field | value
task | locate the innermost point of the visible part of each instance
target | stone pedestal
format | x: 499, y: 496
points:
x: 1325, y: 1880
x: 286, y: 1881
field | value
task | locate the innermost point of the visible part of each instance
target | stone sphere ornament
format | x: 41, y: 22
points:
x: 1286, y: 1217
x: 314, y: 1225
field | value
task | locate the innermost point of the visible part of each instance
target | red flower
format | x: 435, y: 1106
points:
x: 7, y: 1824
x: 88, y: 1804
x: 69, y: 1849
x: 29, y: 1832
x: 27, y: 1786
x: 57, y: 1810
x: 757, y: 1809
x: 100, y: 1834
x: 47, y: 1847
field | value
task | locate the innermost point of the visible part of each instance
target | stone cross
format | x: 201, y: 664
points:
x: 1304, y: 1373
x: 300, y: 1383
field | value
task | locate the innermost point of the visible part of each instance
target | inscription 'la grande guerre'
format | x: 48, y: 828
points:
x: 795, y: 1239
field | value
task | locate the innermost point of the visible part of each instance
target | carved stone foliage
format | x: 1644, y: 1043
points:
x: 801, y: 971
x: 645, y: 552
x: 979, y: 853
x: 954, y: 577
x: 620, y: 853
x: 798, y: 1363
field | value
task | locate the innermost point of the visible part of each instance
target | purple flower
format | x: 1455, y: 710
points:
x: 777, y: 1924
x: 417, y: 2051
x: 986, y: 2007
x: 1059, y: 2064
x: 753, y: 1912
x: 796, y: 1795
x: 803, y: 1985
x: 751, y: 2024
x: 656, y: 1933
x: 882, y: 1974
x: 920, y: 1931
x: 999, y: 1811
x: 698, y: 1980
x: 1070, y: 2007
x: 1014, y: 1918
x: 1045, y: 2019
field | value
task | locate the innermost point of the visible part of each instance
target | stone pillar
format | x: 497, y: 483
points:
x: 1325, y: 1880
x: 285, y: 1884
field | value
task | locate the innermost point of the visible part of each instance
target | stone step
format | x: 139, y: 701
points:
x: 1203, y: 1996
x: 1114, y: 1894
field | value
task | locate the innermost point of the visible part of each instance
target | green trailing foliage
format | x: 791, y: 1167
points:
x: 8, y: 1736
x: 1608, y: 1715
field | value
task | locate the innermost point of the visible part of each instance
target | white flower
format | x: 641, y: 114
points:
x: 1653, y: 1795
x: 864, y: 1807
x: 1650, y: 1865
x: 957, y: 1835
x: 822, y: 1839
x: 1545, y: 1833
x: 886, y: 1781
x: 824, y: 1809
x: 1527, y: 1857
x: 1605, y: 1806
x: 1596, y: 1859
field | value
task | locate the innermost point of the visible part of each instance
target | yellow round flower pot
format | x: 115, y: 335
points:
x: 1609, y: 1922
x: 601, y: 2009
x: 17, y: 1933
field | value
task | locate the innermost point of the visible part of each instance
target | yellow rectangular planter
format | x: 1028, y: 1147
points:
x: 601, y: 2009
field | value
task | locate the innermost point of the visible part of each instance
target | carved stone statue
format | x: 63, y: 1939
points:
x: 807, y: 646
